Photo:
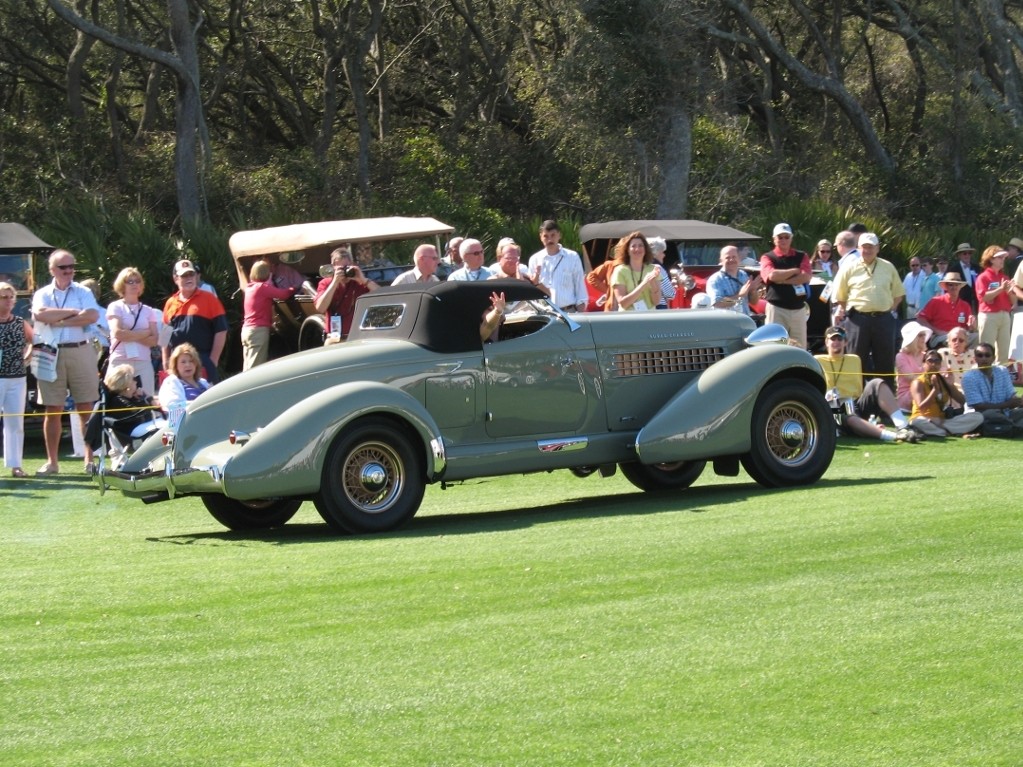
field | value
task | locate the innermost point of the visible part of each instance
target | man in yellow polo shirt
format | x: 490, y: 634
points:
x: 867, y: 294
x: 853, y: 401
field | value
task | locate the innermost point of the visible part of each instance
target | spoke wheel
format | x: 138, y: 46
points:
x: 312, y: 333
x: 793, y: 434
x: 372, y: 479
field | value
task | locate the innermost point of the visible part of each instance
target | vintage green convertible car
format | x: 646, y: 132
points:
x: 414, y: 397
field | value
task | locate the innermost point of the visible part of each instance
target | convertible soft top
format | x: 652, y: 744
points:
x: 677, y: 229
x: 330, y: 234
x: 447, y: 314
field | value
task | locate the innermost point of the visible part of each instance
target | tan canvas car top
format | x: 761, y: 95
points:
x: 316, y: 240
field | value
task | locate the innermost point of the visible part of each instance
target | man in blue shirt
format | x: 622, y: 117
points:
x: 730, y: 288
x: 989, y: 391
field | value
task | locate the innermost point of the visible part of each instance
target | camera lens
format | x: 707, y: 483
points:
x: 351, y: 272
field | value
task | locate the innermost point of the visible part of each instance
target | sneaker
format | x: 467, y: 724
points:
x: 906, y: 435
x: 47, y: 470
x: 90, y: 468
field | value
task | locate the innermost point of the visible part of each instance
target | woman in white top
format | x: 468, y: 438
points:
x: 133, y: 327
x: 182, y: 384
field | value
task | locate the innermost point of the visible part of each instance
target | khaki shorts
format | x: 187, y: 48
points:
x: 76, y: 373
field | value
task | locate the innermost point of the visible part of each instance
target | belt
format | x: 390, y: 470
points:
x: 867, y: 314
x: 74, y: 345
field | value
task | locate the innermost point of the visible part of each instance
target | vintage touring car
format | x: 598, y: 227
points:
x: 414, y: 397
x: 306, y: 248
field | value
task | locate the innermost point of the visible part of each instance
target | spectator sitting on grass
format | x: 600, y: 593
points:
x: 857, y: 401
x: 937, y: 404
x: 957, y: 357
x: 989, y: 391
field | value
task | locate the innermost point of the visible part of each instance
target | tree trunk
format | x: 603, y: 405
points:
x: 75, y: 66
x: 189, y: 124
x: 673, y: 200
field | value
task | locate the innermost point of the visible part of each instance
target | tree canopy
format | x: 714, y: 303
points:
x: 259, y: 112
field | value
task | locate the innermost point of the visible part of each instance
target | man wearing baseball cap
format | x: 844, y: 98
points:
x: 196, y: 317
x: 867, y: 294
x: 854, y: 400
x: 786, y: 272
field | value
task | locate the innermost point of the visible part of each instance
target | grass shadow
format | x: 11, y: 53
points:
x: 692, y: 501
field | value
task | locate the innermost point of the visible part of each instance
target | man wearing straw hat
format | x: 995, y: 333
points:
x: 963, y: 263
x: 947, y: 311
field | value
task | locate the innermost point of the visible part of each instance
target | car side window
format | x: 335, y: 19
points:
x: 383, y: 317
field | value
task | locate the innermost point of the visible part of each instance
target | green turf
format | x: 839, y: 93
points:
x: 873, y: 619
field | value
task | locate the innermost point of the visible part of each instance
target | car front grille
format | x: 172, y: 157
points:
x: 666, y: 361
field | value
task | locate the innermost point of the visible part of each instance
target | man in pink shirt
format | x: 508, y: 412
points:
x: 947, y: 311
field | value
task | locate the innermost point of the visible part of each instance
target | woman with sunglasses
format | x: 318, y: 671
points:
x: 134, y: 327
x: 821, y: 260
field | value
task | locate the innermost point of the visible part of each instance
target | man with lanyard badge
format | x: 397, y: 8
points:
x: 559, y: 269
x: 61, y: 311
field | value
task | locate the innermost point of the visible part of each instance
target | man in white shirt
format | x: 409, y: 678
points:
x: 845, y: 244
x: 913, y: 282
x: 559, y: 269
x: 426, y: 261
x: 61, y: 311
x: 472, y: 269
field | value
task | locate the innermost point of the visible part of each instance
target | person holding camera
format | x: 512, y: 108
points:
x: 336, y: 294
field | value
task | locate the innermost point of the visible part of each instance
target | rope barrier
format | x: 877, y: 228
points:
x: 41, y: 414
x: 868, y: 374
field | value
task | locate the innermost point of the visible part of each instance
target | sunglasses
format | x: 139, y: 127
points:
x: 982, y: 355
x: 824, y: 250
x: 133, y: 282
x: 66, y: 267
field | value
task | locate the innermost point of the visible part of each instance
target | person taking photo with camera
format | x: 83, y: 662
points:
x: 336, y: 294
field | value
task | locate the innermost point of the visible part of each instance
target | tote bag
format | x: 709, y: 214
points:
x: 44, y: 362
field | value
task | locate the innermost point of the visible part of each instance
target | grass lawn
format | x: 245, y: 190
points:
x: 873, y: 619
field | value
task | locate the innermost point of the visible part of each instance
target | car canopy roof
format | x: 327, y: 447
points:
x: 669, y: 229
x: 311, y: 244
x: 447, y: 314
x: 330, y: 234
x: 19, y: 238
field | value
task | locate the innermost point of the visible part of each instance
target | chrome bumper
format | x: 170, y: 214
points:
x: 170, y: 481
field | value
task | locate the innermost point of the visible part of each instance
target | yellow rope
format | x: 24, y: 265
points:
x: 80, y: 412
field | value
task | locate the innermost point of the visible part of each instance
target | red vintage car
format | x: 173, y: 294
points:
x: 692, y: 255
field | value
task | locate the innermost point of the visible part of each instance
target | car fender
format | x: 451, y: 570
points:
x: 719, y: 405
x: 286, y: 456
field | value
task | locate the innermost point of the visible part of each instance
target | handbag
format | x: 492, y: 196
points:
x: 44, y: 362
x: 996, y: 424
